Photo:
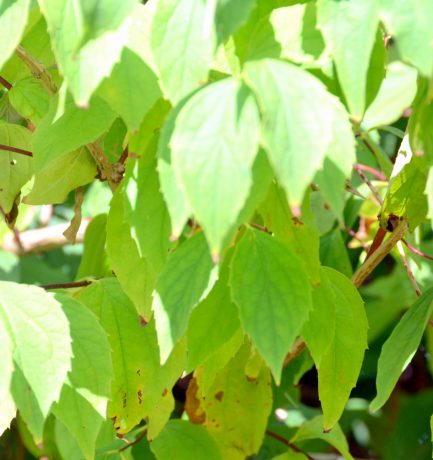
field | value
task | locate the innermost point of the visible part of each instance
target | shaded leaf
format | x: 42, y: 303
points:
x: 184, y: 441
x: 60, y: 176
x: 187, y: 277
x: 401, y: 345
x: 129, y: 77
x: 271, y: 288
x: 62, y: 133
x: 340, y: 365
x: 313, y: 429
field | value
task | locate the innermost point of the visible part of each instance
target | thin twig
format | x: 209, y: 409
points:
x: 136, y: 440
x: 381, y: 252
x: 417, y: 251
x: 376, y: 173
x: 5, y: 83
x: 285, y: 441
x: 365, y: 179
x: 355, y: 236
x: 8, y: 148
x: 407, y: 268
x: 124, y: 156
x: 73, y: 284
x: 259, y: 227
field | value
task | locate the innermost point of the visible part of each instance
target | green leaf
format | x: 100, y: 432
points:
x: 395, y: 95
x: 341, y: 363
x: 27, y: 404
x: 6, y: 365
x: 94, y: 260
x: 184, y: 441
x: 301, y: 237
x: 333, y: 252
x: 296, y: 31
x: 83, y: 400
x: 230, y: 15
x: 129, y: 77
x: 413, y: 43
x: 15, y: 169
x: 42, y: 343
x: 271, y: 288
x: 145, y: 209
x: 60, y: 133
x: 313, y: 429
x: 256, y: 39
x: 29, y: 98
x: 291, y: 455
x: 60, y: 176
x: 405, y: 195
x: 204, y: 339
x: 349, y: 29
x: 141, y: 386
x: 13, y: 19
x: 185, y: 280
x: 183, y: 52
x: 214, y: 144
x: 319, y: 330
x: 87, y: 39
x: 401, y: 345
x: 177, y: 205
x: 302, y: 124
x: 134, y: 273
x: 420, y: 134
x: 236, y: 407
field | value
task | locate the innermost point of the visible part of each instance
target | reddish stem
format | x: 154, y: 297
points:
x: 16, y: 150
x: 380, y: 235
x: 377, y: 174
x: 5, y: 83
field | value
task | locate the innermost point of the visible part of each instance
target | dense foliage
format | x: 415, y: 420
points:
x: 255, y: 183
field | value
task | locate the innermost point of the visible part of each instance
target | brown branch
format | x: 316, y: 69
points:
x: 73, y: 284
x: 5, y: 83
x: 8, y: 148
x: 259, y: 227
x: 381, y: 252
x: 41, y: 239
x: 285, y: 441
x: 124, y: 156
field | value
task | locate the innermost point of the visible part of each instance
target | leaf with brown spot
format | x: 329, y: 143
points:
x: 239, y: 433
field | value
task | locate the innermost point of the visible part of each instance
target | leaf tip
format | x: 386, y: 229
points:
x: 215, y: 257
x: 174, y: 237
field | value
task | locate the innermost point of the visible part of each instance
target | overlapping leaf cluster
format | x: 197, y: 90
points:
x: 240, y: 122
